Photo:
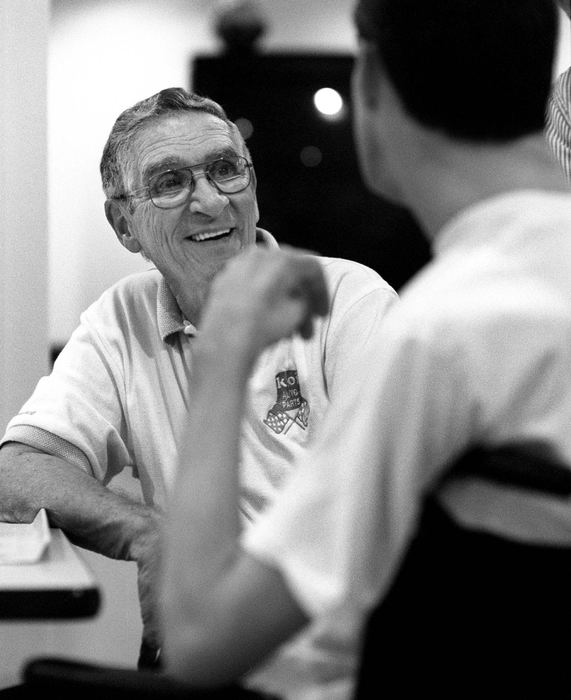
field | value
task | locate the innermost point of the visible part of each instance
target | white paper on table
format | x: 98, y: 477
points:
x: 24, y: 543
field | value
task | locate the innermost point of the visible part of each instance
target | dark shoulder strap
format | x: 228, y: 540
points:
x: 528, y: 465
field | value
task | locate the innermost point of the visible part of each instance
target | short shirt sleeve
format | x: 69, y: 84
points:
x: 77, y: 412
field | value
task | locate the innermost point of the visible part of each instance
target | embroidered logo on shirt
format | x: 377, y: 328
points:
x: 290, y: 406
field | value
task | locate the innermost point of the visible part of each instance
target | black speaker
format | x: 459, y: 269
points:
x: 310, y: 191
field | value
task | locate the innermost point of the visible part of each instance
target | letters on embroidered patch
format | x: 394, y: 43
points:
x: 290, y: 406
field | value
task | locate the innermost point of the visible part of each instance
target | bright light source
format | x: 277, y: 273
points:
x: 329, y: 102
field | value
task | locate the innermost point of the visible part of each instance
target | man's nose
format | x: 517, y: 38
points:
x: 205, y: 198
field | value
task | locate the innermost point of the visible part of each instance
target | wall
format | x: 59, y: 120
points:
x: 23, y: 205
x: 24, y: 26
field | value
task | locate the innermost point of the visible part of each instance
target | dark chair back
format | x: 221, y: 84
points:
x: 66, y: 679
x: 471, y: 614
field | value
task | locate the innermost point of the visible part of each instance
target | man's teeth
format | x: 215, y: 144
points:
x: 211, y: 234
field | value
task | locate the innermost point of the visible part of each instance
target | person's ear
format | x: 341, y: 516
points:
x: 119, y: 217
x: 372, y: 77
x: 254, y: 187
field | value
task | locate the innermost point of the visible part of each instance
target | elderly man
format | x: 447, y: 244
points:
x: 449, y: 101
x: 181, y: 190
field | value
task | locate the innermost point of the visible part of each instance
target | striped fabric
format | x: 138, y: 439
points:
x: 558, y: 124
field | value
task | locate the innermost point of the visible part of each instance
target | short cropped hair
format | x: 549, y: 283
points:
x: 477, y: 70
x: 135, y: 118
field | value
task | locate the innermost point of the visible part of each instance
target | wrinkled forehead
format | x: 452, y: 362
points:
x: 177, y: 140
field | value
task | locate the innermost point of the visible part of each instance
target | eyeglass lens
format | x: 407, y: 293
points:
x: 171, y: 188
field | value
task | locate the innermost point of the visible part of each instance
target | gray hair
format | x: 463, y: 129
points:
x: 135, y: 118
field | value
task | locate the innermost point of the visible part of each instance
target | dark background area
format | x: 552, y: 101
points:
x: 324, y: 207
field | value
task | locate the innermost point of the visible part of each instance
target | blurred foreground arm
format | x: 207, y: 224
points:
x: 224, y: 612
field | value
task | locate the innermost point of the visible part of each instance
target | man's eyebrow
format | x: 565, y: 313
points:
x: 170, y: 163
x: 228, y: 151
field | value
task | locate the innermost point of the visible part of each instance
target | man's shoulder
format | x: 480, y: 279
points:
x: 358, y: 275
x: 146, y: 282
x: 129, y: 297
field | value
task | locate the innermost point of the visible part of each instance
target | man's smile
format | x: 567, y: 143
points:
x: 210, y: 235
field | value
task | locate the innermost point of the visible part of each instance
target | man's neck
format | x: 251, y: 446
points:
x: 191, y: 304
x: 451, y: 176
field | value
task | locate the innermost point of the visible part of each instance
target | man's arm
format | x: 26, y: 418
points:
x: 93, y: 516
x: 224, y: 611
x: 90, y: 514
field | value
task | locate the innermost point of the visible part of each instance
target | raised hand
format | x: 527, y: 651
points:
x: 264, y: 295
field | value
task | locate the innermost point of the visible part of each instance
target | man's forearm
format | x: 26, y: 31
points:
x: 204, y: 526
x: 89, y: 513
x: 206, y: 495
x: 214, y: 592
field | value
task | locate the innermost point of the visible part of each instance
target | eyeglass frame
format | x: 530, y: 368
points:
x: 136, y: 194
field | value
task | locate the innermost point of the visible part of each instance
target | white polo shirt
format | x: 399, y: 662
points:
x: 121, y: 385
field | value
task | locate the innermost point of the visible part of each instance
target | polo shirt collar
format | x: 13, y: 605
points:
x: 480, y: 222
x: 169, y: 316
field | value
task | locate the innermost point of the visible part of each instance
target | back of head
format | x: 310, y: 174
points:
x: 135, y: 118
x: 478, y: 70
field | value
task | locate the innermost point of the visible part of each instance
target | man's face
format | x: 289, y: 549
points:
x: 190, y: 243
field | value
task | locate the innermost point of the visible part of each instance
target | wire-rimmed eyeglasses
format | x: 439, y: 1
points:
x: 172, y: 188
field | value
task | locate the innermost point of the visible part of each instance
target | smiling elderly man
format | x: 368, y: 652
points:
x: 181, y: 190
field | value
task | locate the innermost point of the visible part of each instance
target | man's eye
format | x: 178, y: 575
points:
x: 224, y: 169
x: 169, y: 182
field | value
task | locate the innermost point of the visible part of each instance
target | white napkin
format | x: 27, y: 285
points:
x: 24, y: 543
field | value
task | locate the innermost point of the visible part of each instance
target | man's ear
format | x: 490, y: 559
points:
x: 120, y: 220
x: 372, y: 76
x: 254, y: 187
